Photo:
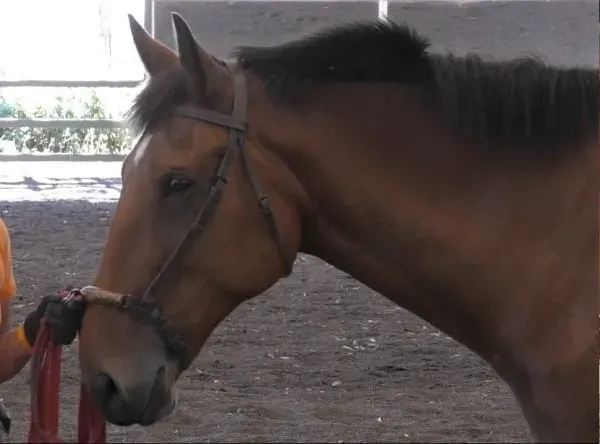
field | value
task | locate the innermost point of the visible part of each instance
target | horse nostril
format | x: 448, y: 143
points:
x: 142, y: 401
x: 104, y: 388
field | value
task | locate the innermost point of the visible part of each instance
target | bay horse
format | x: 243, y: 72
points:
x: 463, y: 189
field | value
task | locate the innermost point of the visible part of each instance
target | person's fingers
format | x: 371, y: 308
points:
x: 63, y: 333
x: 54, y: 297
x: 49, y: 300
x: 65, y: 336
x: 75, y: 305
x: 55, y: 310
x: 65, y: 320
x: 59, y: 306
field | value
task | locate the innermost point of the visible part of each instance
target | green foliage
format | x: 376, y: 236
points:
x: 65, y: 140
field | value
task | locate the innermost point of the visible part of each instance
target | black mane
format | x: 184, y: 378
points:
x: 357, y: 52
x: 516, y: 102
x: 163, y: 91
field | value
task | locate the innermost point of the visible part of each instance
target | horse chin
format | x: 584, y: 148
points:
x: 153, y: 416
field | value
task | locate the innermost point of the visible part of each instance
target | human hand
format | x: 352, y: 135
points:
x: 63, y: 318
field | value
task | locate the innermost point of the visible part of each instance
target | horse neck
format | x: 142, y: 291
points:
x: 401, y: 204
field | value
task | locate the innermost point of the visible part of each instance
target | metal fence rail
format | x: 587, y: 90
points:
x: 38, y: 122
x: 149, y: 21
x: 11, y: 123
x: 70, y: 83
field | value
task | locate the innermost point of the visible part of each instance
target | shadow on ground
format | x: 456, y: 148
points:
x: 53, y: 188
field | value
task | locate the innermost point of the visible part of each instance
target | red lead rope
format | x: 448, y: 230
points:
x: 45, y: 373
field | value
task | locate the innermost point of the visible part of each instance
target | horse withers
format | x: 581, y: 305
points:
x: 464, y: 190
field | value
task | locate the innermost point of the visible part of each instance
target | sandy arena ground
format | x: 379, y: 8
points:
x: 318, y: 357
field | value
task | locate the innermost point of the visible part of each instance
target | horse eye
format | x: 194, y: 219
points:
x: 176, y: 183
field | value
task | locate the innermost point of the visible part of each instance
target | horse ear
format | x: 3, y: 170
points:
x: 155, y: 56
x: 208, y: 76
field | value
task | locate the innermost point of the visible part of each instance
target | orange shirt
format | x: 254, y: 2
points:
x: 8, y: 286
